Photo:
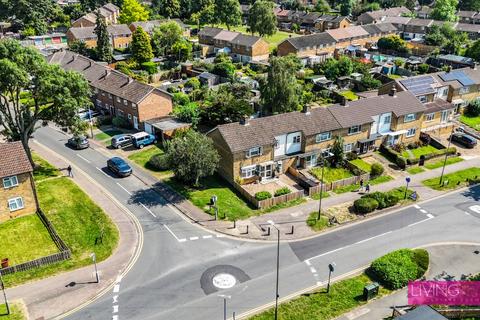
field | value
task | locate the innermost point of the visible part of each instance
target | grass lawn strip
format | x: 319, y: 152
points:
x: 317, y: 225
x: 354, y: 187
x: 143, y: 157
x: 16, y: 312
x: 349, y: 95
x: 473, y: 122
x: 362, y: 165
x: 316, y: 196
x: 43, y: 170
x: 415, y: 170
x: 331, y: 174
x: 420, y: 151
x: 439, y: 163
x: 453, y: 180
x: 107, y: 134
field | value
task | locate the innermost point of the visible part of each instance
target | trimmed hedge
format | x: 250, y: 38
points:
x: 263, y: 195
x: 384, y: 199
x: 150, y: 67
x: 376, y: 170
x: 395, y: 269
x: 159, y: 162
x: 365, y: 205
x: 282, y: 191
x: 402, y: 162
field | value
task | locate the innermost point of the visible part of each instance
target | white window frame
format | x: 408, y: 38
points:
x: 311, y: 161
x: 321, y: 136
x: 409, y: 117
x: 248, y: 171
x: 326, y: 153
x: 429, y: 117
x: 358, y: 129
x: 348, y: 147
x: 297, y: 139
x: 10, y: 182
x: 17, y: 204
x: 134, y: 105
x: 129, y: 116
x: 464, y: 90
x: 125, y: 102
x: 252, y: 152
x: 423, y: 99
x: 387, y: 119
x: 118, y: 99
x: 411, y: 132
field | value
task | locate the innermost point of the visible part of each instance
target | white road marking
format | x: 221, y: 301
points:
x: 319, y: 283
x: 149, y: 211
x: 86, y: 160
x: 423, y: 211
x: 467, y: 213
x: 312, y: 270
x: 182, y: 240
x: 430, y: 216
x: 115, y: 309
x: 368, y: 239
x: 416, y: 206
x: 308, y: 263
x: 173, y: 234
x: 124, y: 188
x: 116, y: 288
x: 475, y: 208
x: 207, y: 237
x: 327, y: 253
x: 115, y: 317
x: 220, y: 235
x: 418, y: 222
x: 193, y: 238
x: 102, y: 171
x: 115, y: 299
x: 119, y: 278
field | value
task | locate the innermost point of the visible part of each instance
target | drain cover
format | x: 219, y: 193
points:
x: 224, y: 281
x: 221, y: 277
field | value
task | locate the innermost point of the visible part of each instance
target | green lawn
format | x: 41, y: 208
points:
x: 344, y: 296
x: 439, y: 163
x: 417, y: 152
x: 78, y: 221
x: 104, y: 135
x: 355, y: 187
x: 43, y: 169
x: 349, y: 94
x: 316, y: 196
x: 16, y: 312
x: 24, y: 239
x: 317, y: 225
x: 362, y: 165
x: 142, y: 159
x: 415, y: 170
x: 331, y: 174
x: 473, y: 122
x: 453, y: 180
x: 394, y: 76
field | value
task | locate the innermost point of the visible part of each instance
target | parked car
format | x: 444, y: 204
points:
x: 142, y: 139
x: 78, y: 142
x: 119, y: 166
x: 86, y: 115
x: 464, y: 139
x: 121, y: 140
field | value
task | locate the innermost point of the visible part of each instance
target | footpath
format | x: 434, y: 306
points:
x: 69, y: 291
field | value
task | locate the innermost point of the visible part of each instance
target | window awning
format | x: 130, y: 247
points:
x: 394, y: 133
x: 458, y: 101
x: 372, y: 138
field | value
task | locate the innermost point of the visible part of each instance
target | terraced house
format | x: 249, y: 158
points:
x: 119, y: 34
x: 116, y: 93
x: 265, y: 148
x: 17, y: 192
x: 108, y: 12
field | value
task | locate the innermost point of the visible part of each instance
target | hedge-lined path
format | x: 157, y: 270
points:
x: 454, y: 260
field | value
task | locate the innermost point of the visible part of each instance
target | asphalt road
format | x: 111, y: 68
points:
x: 173, y: 277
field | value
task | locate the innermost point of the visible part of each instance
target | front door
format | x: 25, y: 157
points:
x: 444, y: 117
x: 266, y: 171
x: 135, y: 122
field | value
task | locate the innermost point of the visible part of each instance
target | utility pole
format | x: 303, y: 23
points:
x: 278, y: 268
x: 445, y: 160
x: 4, y: 294
x: 321, y: 192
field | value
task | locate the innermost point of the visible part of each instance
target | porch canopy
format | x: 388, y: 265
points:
x: 395, y: 133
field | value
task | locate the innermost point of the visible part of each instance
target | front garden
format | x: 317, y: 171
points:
x: 152, y: 159
x: 471, y: 116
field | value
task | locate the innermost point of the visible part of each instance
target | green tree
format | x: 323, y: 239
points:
x: 31, y: 90
x: 189, y: 112
x: 79, y: 47
x: 393, y: 42
x: 182, y: 50
x: 132, y: 11
x: 205, y: 14
x: 104, y: 47
x: 281, y: 92
x: 474, y: 51
x: 141, y: 47
x: 192, y: 156
x: 435, y: 37
x: 473, y: 108
x: 345, y: 66
x: 262, y: 19
x: 469, y: 5
x: 224, y: 67
x: 445, y: 10
x: 346, y: 8
x: 167, y: 8
x: 322, y: 6
x: 337, y: 151
x: 370, y: 83
x: 228, y: 12
x: 165, y: 36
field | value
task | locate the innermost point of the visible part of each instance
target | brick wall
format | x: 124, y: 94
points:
x: 24, y: 190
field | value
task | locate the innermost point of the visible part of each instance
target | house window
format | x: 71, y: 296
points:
x: 103, y: 93
x: 354, y: 130
x: 429, y: 116
x: 411, y: 132
x: 15, y: 204
x: 249, y: 171
x: 348, y: 147
x: 422, y: 99
x: 311, y: 161
x: 124, y: 102
x: 253, y: 152
x: 118, y: 99
x: 326, y: 152
x: 110, y: 95
x: 9, y: 182
x: 134, y: 105
x: 296, y: 139
x: 120, y: 113
x: 129, y: 116
x: 409, y: 117
x: 324, y: 136
x: 464, y: 90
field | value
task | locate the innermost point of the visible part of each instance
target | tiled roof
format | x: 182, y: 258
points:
x: 148, y: 26
x: 438, y: 105
x: 111, y: 7
x: 392, y: 12
x: 209, y: 32
x: 89, y: 32
x: 245, y: 40
x: 467, y: 27
x: 466, y: 14
x: 226, y: 35
x: 397, y: 20
x: 346, y: 33
x: 103, y: 77
x: 316, y: 39
x: 14, y: 159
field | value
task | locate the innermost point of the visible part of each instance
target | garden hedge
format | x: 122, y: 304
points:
x: 263, y: 195
x: 438, y: 153
x: 384, y: 199
x: 282, y: 191
x: 159, y: 162
x: 365, y: 205
x: 376, y: 170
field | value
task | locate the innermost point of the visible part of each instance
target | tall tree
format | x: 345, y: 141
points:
x: 322, y: 6
x: 165, y: 36
x: 167, y: 8
x: 474, y: 51
x: 280, y: 91
x: 262, y: 19
x: 132, y: 11
x: 471, y: 5
x: 32, y: 90
x: 445, y: 10
x: 228, y: 12
x: 346, y: 8
x: 141, y: 47
x: 104, y: 47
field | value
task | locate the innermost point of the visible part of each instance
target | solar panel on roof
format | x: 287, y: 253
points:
x: 458, y: 75
x: 420, y: 85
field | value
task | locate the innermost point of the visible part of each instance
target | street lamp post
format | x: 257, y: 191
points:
x: 278, y: 268
x: 407, y: 179
x: 91, y: 121
x: 94, y: 259
x: 331, y: 268
x: 321, y: 191
x: 445, y: 160
x: 4, y: 294
x: 225, y: 297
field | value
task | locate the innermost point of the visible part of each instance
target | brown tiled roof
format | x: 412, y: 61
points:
x: 14, y: 159
x: 89, y: 32
x: 346, y: 33
x: 438, y: 105
x: 389, y: 12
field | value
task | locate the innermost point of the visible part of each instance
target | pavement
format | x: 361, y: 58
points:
x: 446, y: 262
x: 183, y: 267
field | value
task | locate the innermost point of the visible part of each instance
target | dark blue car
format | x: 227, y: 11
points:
x: 119, y: 166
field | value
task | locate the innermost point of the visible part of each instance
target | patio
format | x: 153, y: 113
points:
x: 284, y: 180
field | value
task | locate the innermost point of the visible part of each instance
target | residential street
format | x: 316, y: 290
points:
x: 172, y: 278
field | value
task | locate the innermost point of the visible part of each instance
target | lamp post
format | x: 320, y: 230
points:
x: 91, y: 121
x: 445, y: 160
x: 278, y: 268
x: 225, y: 297
x: 331, y: 268
x: 407, y: 179
x: 94, y: 259
x: 321, y: 186
x: 4, y: 294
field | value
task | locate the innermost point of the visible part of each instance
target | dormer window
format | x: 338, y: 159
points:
x: 253, y: 152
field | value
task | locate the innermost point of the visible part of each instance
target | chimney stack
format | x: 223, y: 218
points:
x: 245, y: 121
x: 306, y: 109
x: 393, y: 91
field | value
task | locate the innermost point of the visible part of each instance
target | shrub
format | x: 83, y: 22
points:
x: 473, y: 109
x: 422, y: 259
x: 150, y: 67
x: 376, y: 170
x: 395, y: 269
x: 282, y: 191
x: 391, y: 199
x: 121, y: 122
x: 401, y: 162
x: 159, y: 162
x: 378, y: 196
x: 263, y: 195
x: 365, y: 205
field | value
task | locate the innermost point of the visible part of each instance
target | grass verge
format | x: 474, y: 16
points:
x: 415, y: 170
x: 331, y: 174
x: 439, y: 163
x: 16, y: 312
x: 316, y: 196
x: 453, y: 180
x: 317, y: 225
x: 107, y: 134
x: 362, y: 165
x: 43, y: 169
x: 420, y: 151
x: 473, y: 122
x: 143, y: 157
x: 355, y: 187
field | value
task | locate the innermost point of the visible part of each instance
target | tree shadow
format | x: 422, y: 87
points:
x: 472, y: 193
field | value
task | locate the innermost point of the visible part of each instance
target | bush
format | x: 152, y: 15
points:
x: 401, y: 162
x: 121, y: 122
x: 376, y: 170
x: 159, y: 162
x: 263, y: 195
x: 282, y: 191
x: 473, y: 109
x: 422, y: 259
x: 150, y: 67
x: 399, y: 267
x: 384, y: 199
x: 391, y: 199
x: 365, y: 205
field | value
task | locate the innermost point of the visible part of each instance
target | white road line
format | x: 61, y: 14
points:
x: 423, y: 211
x: 193, y: 238
x: 207, y: 237
x: 182, y: 240
x: 115, y: 299
x: 418, y: 222
x: 416, y: 206
x: 308, y: 263
x: 467, y: 213
x: 115, y: 317
x: 149, y: 211
x: 124, y: 188
x: 115, y: 309
x: 116, y: 288
x: 220, y: 235
x: 119, y: 278
x: 86, y: 160
x: 430, y: 216
x: 102, y: 171
x: 173, y: 234
x: 368, y: 239
x: 327, y: 253
x: 312, y: 269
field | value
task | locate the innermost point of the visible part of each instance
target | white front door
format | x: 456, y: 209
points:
x: 135, y: 122
x: 445, y: 114
x: 266, y: 171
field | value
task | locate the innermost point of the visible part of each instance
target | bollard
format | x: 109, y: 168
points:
x: 234, y: 224
x: 291, y: 230
x: 233, y: 315
x: 268, y: 231
x: 247, y: 229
